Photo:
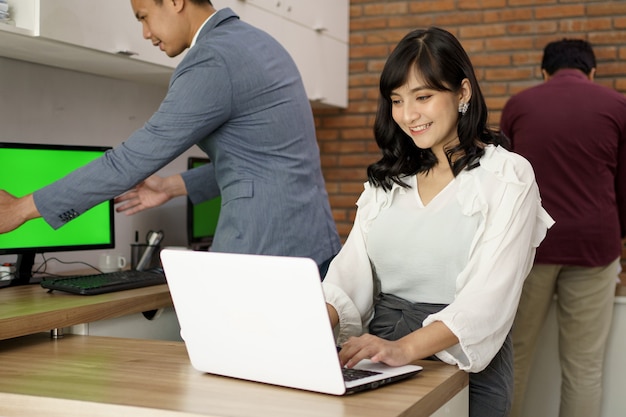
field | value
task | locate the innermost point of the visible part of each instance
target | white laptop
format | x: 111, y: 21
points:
x: 263, y: 319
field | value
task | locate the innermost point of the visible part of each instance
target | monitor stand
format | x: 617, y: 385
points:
x: 23, y: 269
x: 203, y: 245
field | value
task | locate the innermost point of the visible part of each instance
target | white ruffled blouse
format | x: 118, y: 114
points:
x: 513, y: 224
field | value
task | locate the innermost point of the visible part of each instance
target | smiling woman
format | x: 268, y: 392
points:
x: 430, y: 117
x: 427, y: 115
x: 446, y: 228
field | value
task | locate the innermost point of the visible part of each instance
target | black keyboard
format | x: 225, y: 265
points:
x: 351, y: 374
x: 103, y: 283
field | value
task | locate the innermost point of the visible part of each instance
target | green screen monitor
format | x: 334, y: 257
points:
x: 202, y: 217
x: 26, y: 167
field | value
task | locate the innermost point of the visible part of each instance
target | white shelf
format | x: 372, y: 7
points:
x: 19, y: 44
x: 11, y: 28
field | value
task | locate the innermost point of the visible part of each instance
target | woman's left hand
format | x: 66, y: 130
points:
x: 367, y: 346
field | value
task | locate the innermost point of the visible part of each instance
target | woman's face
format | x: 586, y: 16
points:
x: 429, y: 117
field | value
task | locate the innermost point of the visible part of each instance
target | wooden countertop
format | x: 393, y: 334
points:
x: 97, y: 376
x: 30, y: 309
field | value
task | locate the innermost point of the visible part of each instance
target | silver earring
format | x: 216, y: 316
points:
x: 463, y: 108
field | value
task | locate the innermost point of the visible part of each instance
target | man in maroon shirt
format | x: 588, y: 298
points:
x: 573, y: 131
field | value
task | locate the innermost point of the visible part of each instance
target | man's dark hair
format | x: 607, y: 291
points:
x: 568, y: 53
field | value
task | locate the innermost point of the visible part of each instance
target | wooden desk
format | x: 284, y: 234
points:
x: 103, y: 376
x: 30, y: 309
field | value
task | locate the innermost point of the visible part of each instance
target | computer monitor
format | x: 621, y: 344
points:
x: 26, y: 167
x: 201, y: 218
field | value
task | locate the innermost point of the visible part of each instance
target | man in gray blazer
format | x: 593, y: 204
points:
x: 238, y: 95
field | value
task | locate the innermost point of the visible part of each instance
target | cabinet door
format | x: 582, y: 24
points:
x: 321, y: 59
x: 23, y: 14
x: 330, y: 17
x: 107, y: 26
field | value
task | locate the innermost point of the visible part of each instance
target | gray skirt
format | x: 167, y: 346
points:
x: 490, y: 390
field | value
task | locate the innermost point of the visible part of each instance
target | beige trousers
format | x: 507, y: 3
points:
x: 584, y: 310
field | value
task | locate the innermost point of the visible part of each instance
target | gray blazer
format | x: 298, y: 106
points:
x: 238, y: 95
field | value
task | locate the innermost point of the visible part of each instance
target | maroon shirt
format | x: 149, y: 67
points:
x: 573, y: 132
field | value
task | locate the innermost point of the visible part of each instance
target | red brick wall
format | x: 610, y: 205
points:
x: 504, y: 39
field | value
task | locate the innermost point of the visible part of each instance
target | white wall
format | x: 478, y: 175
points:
x: 41, y: 104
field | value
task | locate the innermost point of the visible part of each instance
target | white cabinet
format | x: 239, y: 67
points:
x: 104, y: 38
x: 86, y: 36
x: 107, y: 26
x: 325, y: 16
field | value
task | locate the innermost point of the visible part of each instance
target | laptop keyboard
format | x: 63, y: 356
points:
x: 104, y: 283
x: 351, y: 374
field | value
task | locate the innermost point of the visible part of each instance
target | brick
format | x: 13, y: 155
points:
x: 619, y: 22
x: 351, y: 147
x: 586, y: 25
x: 348, y: 121
x: 327, y: 135
x: 508, y: 15
x: 494, y: 89
x: 431, y: 6
x: 369, y: 23
x: 345, y: 174
x: 365, y: 79
x: 560, y: 12
x: 530, y: 2
x: 393, y: 8
x: 357, y: 52
x: 606, y: 53
x: 515, y: 88
x: 496, y: 103
x: 364, y: 134
x: 608, y: 37
x: 611, y: 8
x: 356, y: 160
x: 532, y: 58
x: 512, y: 74
x: 491, y: 60
x: 510, y: 43
x: 482, y: 31
x: 344, y: 229
x: 480, y: 4
x: 454, y: 19
x: 611, y: 69
x: 352, y: 188
x: 413, y: 21
x: 532, y: 27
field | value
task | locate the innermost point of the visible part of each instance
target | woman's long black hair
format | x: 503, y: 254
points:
x: 440, y: 60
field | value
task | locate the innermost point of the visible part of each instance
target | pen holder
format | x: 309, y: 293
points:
x: 137, y: 253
